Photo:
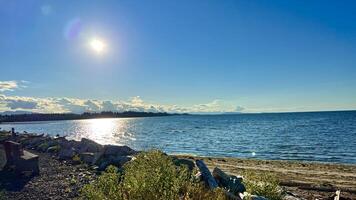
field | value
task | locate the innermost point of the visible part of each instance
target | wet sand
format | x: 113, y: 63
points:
x: 309, y: 180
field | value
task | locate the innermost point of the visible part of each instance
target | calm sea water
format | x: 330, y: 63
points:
x: 317, y: 136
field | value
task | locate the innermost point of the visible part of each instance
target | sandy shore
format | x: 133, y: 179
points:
x: 309, y: 180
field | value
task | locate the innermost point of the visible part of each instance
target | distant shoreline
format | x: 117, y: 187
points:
x: 33, y: 117
x: 257, y: 113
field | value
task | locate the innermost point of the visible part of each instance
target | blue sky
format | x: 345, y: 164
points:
x: 191, y: 56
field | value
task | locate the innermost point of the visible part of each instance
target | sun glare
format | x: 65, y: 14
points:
x: 97, y: 45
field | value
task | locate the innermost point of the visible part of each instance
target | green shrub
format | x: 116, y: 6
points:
x: 263, y: 184
x: 107, y: 186
x: 152, y: 175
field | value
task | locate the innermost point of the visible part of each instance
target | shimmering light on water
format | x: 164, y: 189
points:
x: 324, y: 136
x: 103, y: 131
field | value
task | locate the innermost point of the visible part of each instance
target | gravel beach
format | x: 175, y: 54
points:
x: 57, y: 180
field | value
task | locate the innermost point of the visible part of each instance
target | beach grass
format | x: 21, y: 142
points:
x: 263, y: 184
x: 152, y: 175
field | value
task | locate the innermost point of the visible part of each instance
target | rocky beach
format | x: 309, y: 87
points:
x: 66, y: 166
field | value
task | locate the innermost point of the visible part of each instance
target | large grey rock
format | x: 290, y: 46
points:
x: 87, y: 145
x: 69, y: 144
x: 117, y: 161
x: 87, y: 157
x: 113, y: 150
x: 34, y: 142
x: 66, y: 153
x: 45, y: 144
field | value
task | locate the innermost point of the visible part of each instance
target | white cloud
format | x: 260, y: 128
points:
x: 12, y: 85
x: 59, y: 105
x: 8, y: 85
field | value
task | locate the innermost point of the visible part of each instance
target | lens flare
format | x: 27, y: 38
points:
x: 73, y: 29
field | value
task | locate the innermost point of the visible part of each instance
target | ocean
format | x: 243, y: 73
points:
x: 308, y: 136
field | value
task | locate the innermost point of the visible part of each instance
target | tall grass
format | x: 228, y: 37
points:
x: 262, y: 184
x: 152, y: 175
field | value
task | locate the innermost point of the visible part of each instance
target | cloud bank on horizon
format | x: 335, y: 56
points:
x: 75, y: 105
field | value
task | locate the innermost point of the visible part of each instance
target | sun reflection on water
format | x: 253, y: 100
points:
x: 104, y: 131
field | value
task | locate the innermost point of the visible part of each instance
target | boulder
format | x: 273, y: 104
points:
x: 113, y: 150
x: 87, y: 157
x: 66, y: 153
x: 61, y: 141
x: 118, y: 161
x: 69, y: 144
x: 52, y: 142
x: 87, y: 145
x: 45, y: 144
x: 102, y: 165
x: 34, y: 142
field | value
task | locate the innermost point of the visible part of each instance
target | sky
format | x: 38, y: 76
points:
x: 196, y: 56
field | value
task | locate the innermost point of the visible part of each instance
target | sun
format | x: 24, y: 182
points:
x: 97, y: 45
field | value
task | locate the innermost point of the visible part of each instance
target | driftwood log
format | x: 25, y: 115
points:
x: 232, y: 184
x: 206, y: 175
x: 210, y: 181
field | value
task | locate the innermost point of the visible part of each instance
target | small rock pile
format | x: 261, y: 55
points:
x: 86, y: 150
